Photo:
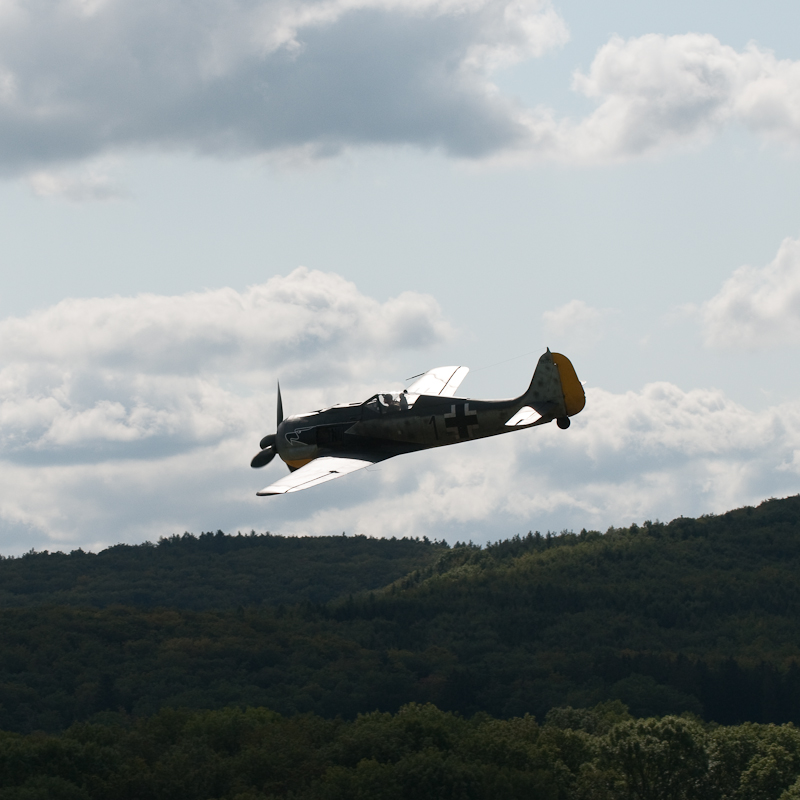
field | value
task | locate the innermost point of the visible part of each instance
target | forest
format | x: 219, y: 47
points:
x: 542, y: 665
x: 420, y: 752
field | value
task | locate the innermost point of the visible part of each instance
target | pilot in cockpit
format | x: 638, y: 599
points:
x: 390, y: 403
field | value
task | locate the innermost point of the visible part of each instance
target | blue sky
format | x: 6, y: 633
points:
x: 343, y: 194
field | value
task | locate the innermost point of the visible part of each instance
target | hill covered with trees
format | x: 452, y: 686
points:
x: 212, y: 570
x: 697, y: 615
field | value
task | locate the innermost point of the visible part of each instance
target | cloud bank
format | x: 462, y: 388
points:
x: 757, y: 307
x: 122, y: 415
x: 124, y: 419
x: 82, y: 79
x: 100, y: 374
x: 656, y: 91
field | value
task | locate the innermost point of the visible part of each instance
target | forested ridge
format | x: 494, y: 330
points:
x: 697, y: 617
x: 212, y: 570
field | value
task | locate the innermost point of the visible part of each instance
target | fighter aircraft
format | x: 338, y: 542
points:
x: 322, y: 445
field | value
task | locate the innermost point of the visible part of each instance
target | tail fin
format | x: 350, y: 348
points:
x: 555, y: 391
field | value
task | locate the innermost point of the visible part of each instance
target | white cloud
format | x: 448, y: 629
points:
x: 658, y: 91
x: 287, y: 319
x: 123, y: 419
x: 757, y: 306
x: 86, y: 378
x: 657, y: 453
x: 80, y: 78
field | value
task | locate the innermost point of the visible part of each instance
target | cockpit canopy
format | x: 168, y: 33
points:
x: 389, y: 403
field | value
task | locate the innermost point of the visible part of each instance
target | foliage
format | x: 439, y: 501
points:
x: 695, y: 616
x: 213, y: 570
x: 420, y: 752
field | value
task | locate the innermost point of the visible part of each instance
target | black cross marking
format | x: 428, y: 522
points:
x: 461, y: 419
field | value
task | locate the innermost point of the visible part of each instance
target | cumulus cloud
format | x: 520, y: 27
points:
x: 655, y: 91
x: 757, y: 306
x: 310, y: 78
x: 124, y: 419
x: 91, y: 378
x: 80, y: 78
x: 108, y: 440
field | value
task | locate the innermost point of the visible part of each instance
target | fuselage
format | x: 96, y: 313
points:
x: 391, y: 424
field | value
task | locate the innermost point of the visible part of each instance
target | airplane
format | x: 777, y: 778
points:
x: 322, y: 445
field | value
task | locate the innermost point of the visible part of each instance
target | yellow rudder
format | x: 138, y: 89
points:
x: 574, y: 397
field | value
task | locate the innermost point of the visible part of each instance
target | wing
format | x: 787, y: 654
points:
x: 322, y: 469
x: 440, y: 380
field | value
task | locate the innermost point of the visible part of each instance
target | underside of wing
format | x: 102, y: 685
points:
x: 322, y: 469
x: 443, y: 381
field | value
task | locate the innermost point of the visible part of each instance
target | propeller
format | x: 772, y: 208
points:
x: 268, y: 445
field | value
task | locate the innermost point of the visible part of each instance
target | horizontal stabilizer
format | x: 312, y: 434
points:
x: 525, y: 416
x: 528, y: 416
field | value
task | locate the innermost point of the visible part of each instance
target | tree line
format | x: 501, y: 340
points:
x: 420, y: 751
x: 212, y: 570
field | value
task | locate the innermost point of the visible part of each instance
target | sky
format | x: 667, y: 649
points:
x: 198, y: 200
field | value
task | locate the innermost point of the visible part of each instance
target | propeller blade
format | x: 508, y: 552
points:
x: 263, y: 458
x: 280, y: 405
